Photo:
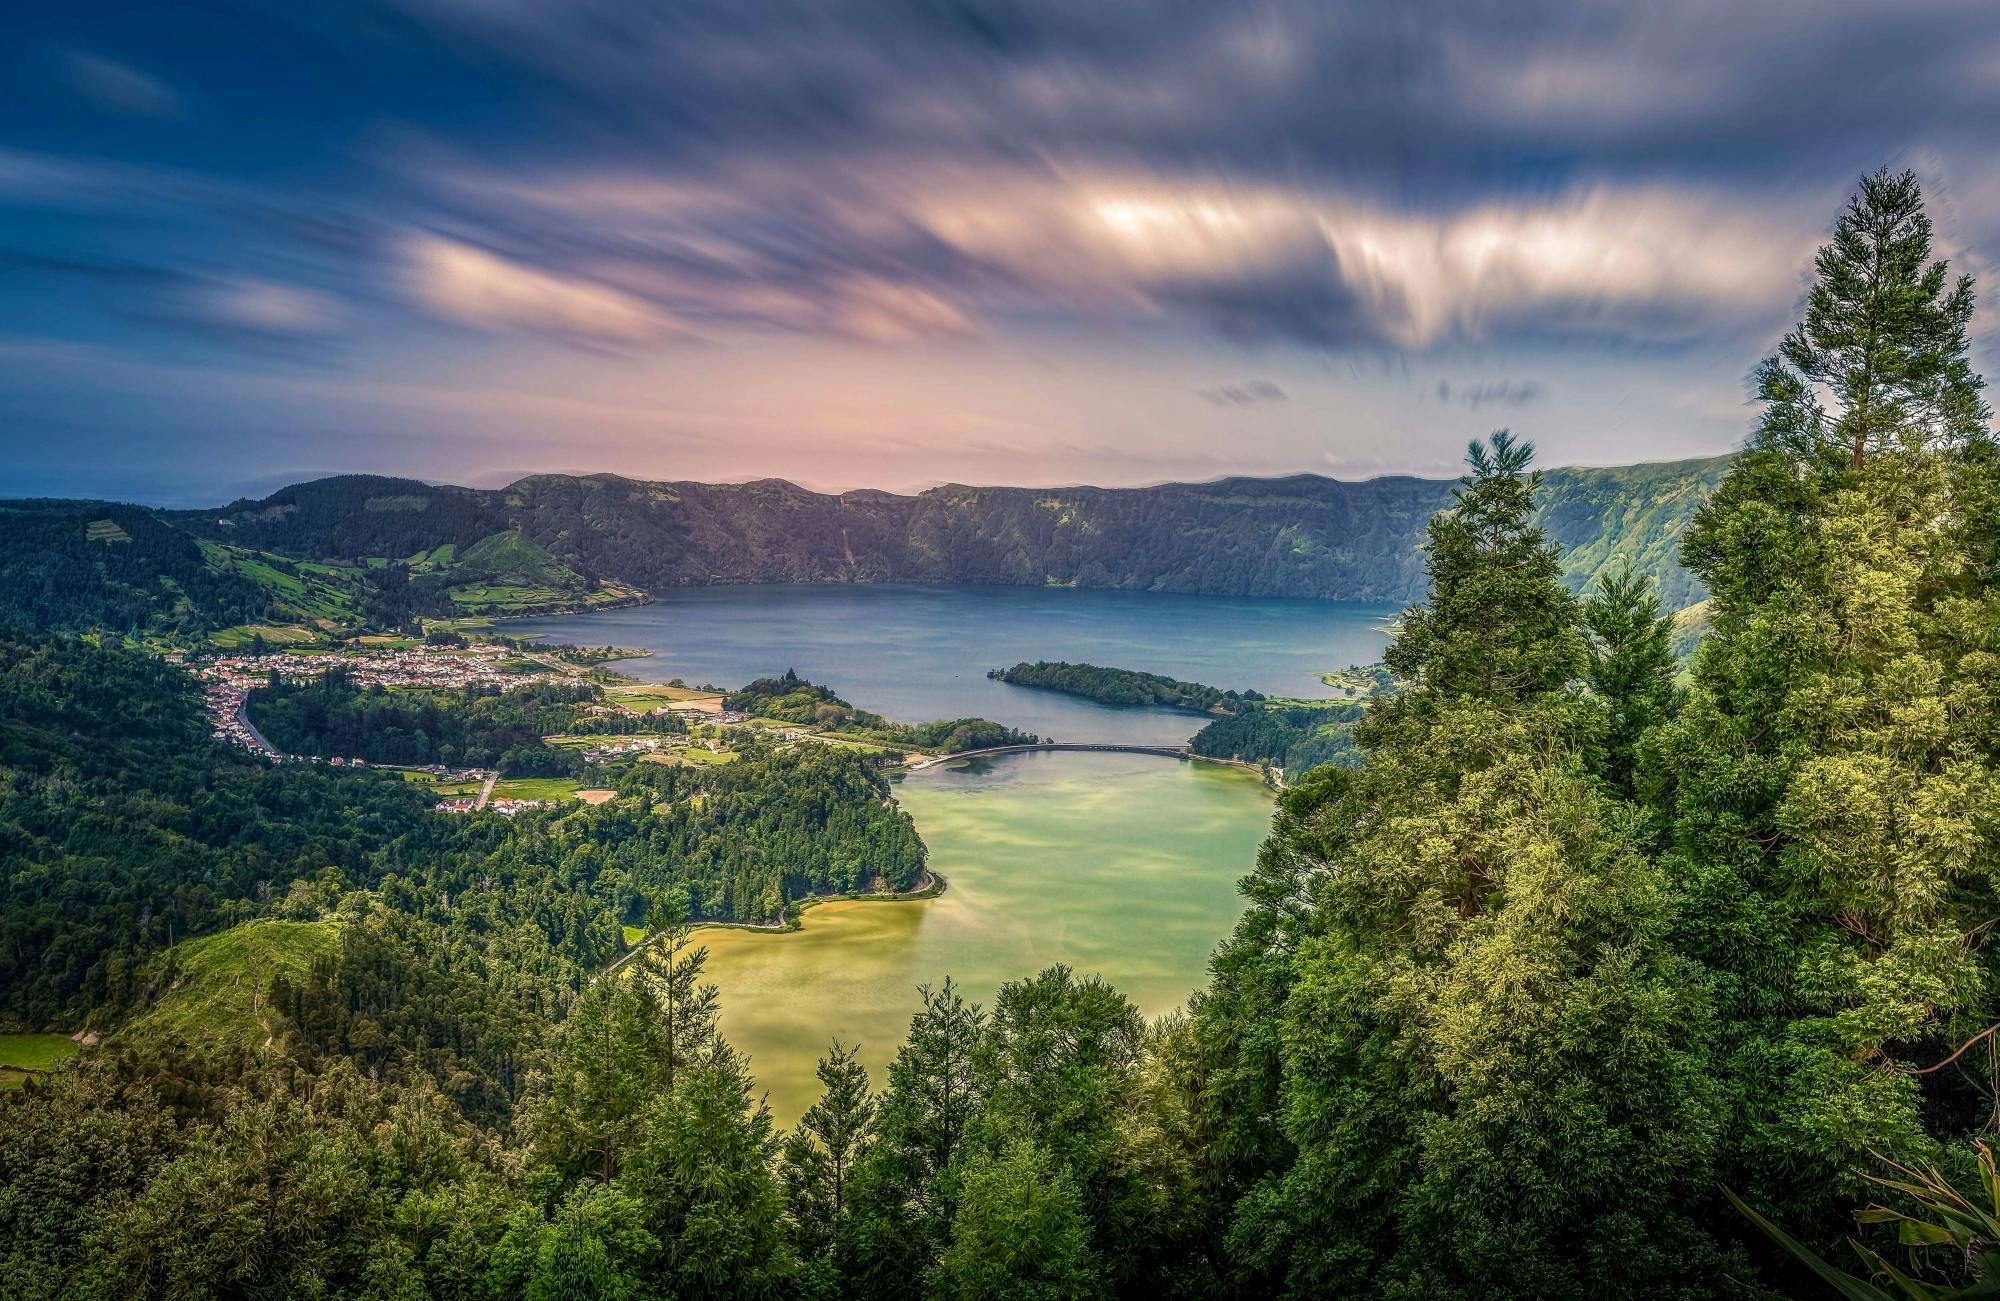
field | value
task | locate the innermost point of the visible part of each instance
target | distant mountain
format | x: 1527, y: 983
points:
x: 1300, y: 536
x: 337, y: 554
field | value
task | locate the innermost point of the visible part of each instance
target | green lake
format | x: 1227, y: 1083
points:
x: 1122, y: 865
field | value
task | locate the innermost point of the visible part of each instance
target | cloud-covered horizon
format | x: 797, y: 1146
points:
x: 902, y: 242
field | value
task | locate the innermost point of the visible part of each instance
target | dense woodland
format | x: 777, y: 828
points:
x: 1573, y: 956
x: 480, y: 727
x: 789, y: 698
x: 1111, y: 686
x: 74, y: 566
x: 126, y: 827
x: 1294, y: 735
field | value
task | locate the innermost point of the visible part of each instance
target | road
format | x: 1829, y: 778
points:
x: 262, y: 744
x: 486, y: 791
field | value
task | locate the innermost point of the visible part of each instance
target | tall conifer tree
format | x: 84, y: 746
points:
x: 1834, y: 799
x: 1632, y: 670
x: 1490, y: 1064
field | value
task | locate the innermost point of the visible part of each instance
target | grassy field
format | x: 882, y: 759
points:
x: 274, y: 634
x: 535, y: 788
x: 693, y: 755
x: 105, y: 530
x: 223, y: 978
x: 441, y: 786
x: 633, y: 934
x: 425, y: 561
x: 585, y: 742
x: 24, y: 1054
x: 645, y: 699
x: 315, y: 594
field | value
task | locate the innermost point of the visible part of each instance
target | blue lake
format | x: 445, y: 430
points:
x: 916, y: 653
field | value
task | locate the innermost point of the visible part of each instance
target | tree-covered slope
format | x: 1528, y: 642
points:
x: 1300, y: 536
x: 97, y: 565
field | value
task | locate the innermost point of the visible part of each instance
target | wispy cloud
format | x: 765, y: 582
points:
x: 1249, y: 393
x: 121, y: 87
x: 471, y: 286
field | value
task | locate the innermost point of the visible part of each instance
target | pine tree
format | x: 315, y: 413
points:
x: 671, y: 968
x: 820, y: 1155
x: 1020, y: 1233
x: 588, y: 1113
x: 1632, y: 670
x: 1882, y: 334
x: 1834, y: 793
x: 904, y: 1190
x: 1490, y: 1064
x: 1498, y: 624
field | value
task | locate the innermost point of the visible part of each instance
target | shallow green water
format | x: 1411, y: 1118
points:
x: 1124, y: 865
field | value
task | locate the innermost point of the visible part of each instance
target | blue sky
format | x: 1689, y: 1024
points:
x: 899, y: 243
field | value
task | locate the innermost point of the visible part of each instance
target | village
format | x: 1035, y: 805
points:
x: 700, y: 725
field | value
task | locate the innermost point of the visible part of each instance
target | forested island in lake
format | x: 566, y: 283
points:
x: 1111, y: 686
x: 1292, y: 735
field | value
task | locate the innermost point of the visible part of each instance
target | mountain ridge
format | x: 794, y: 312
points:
x: 1302, y: 535
x: 379, y: 550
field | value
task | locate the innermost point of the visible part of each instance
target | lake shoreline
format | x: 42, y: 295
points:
x: 933, y: 887
x: 922, y: 652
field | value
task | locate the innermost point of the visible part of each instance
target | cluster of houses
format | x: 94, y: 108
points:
x: 510, y: 807
x: 422, y: 666
x: 630, y: 745
x: 224, y: 702
x: 226, y: 679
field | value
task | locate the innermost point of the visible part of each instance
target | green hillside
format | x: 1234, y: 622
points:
x: 585, y: 539
x: 510, y: 573
x: 344, y: 554
x: 211, y: 990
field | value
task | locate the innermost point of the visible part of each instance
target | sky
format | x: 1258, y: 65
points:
x: 895, y: 243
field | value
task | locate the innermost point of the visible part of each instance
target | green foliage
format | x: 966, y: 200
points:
x: 1951, y: 1237
x: 124, y: 827
x: 63, y: 569
x: 1831, y: 783
x: 905, y: 1191
x: 1883, y: 335
x: 594, y: 1248
x: 791, y: 699
x: 1498, y: 623
x: 474, y: 727
x: 1295, y: 735
x: 1632, y: 668
x: 645, y: 1099
x: 1124, y: 687
x: 820, y: 1155
x: 1020, y: 1232
x: 1453, y: 992
x: 213, y: 990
